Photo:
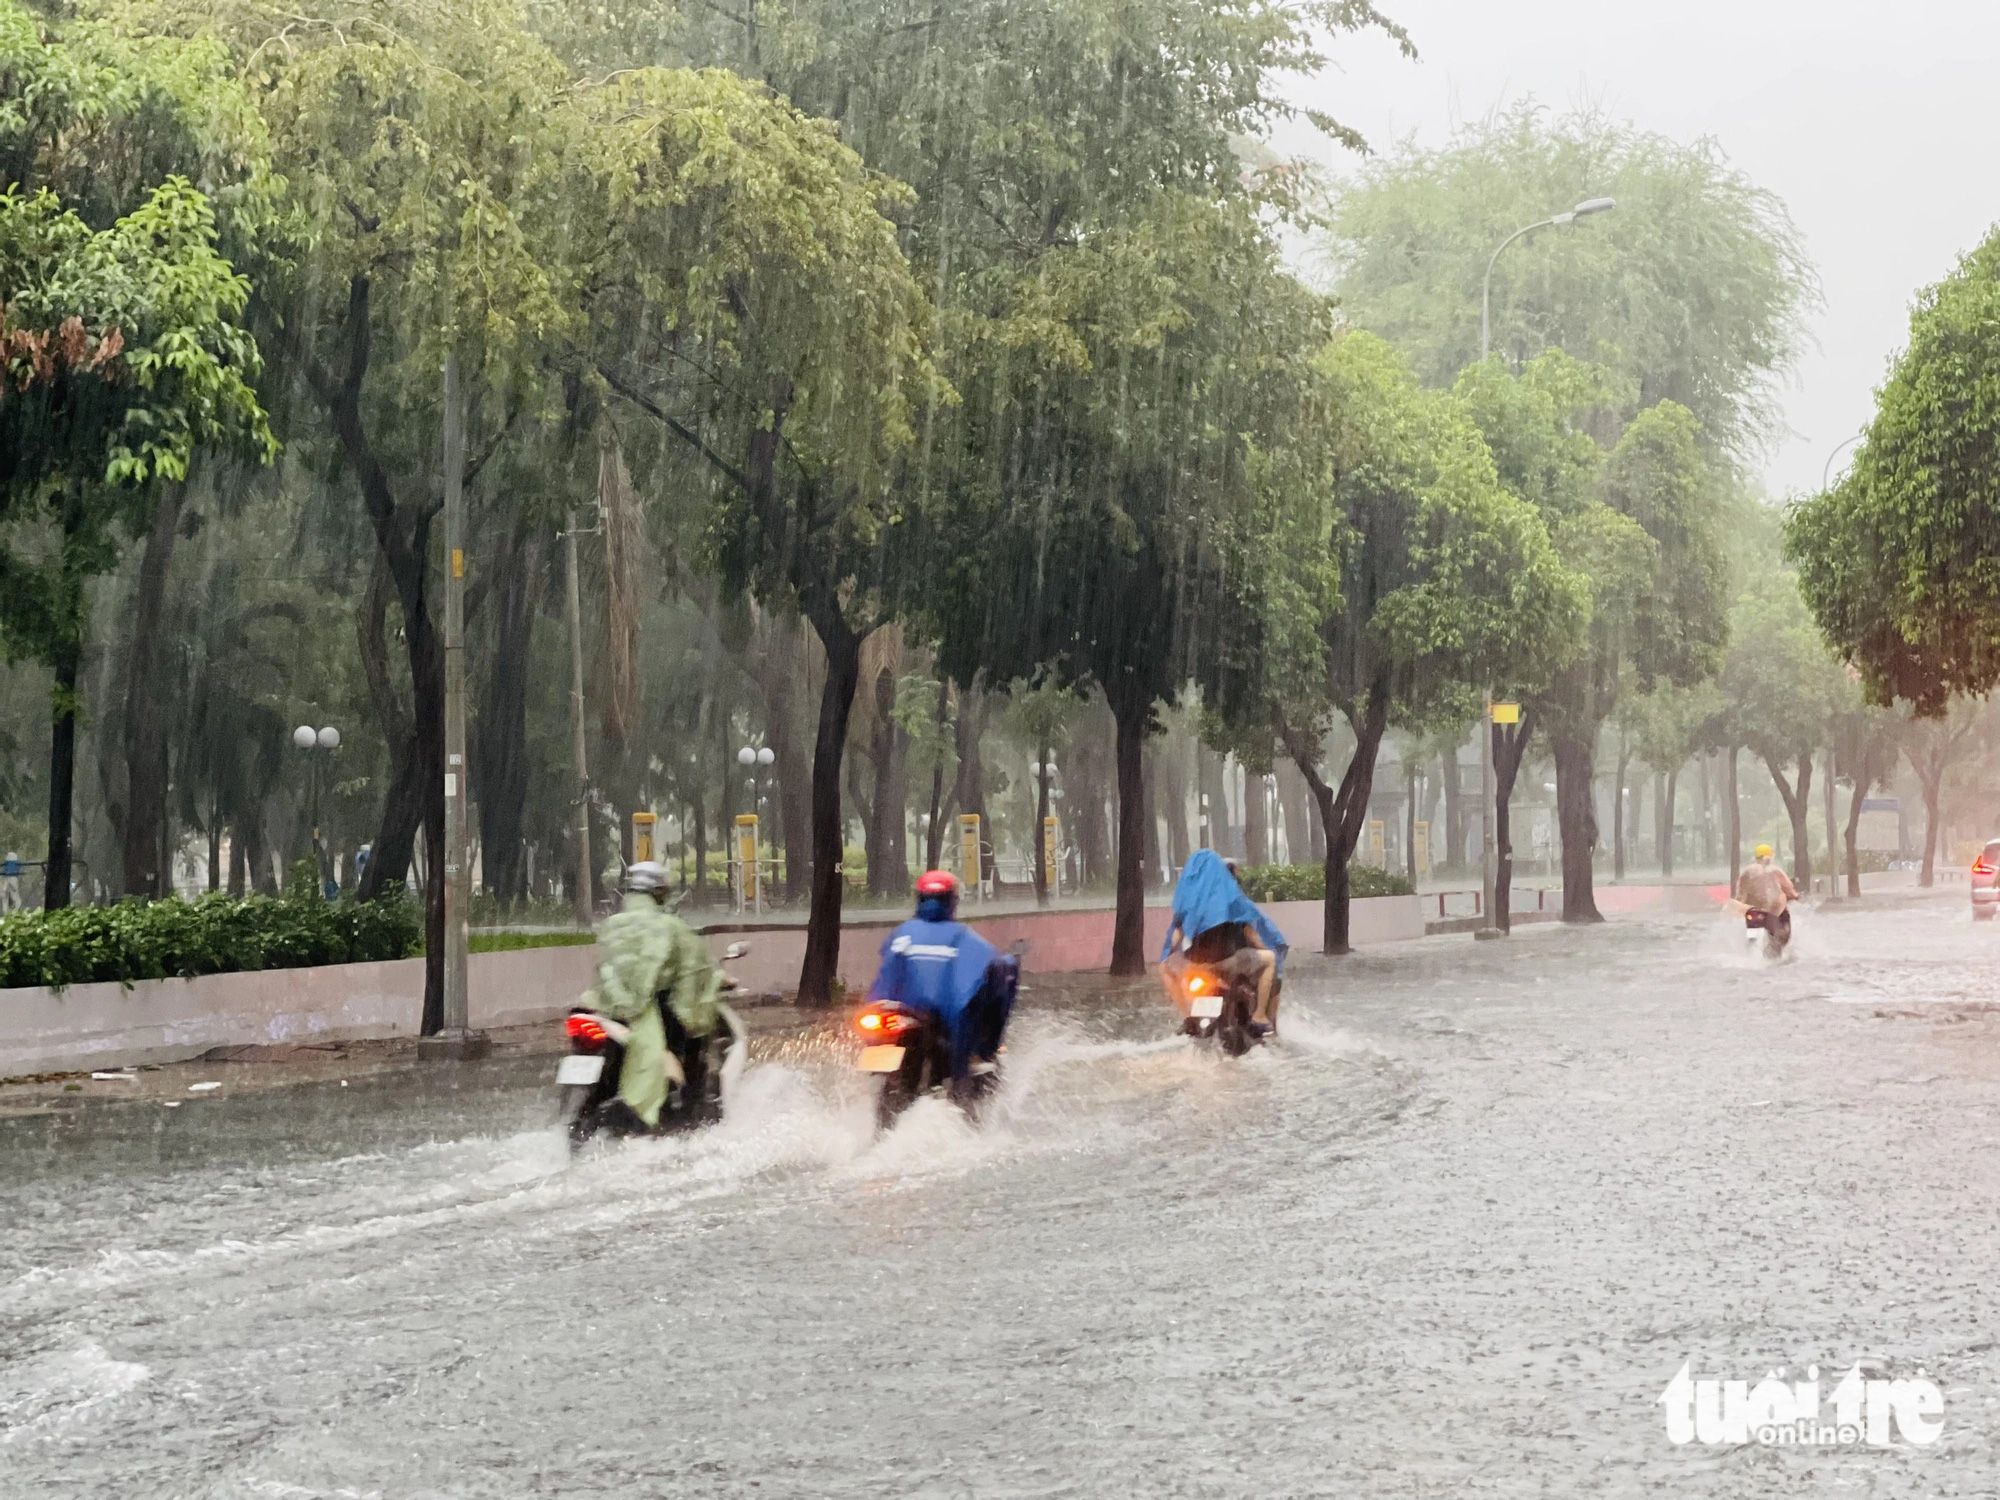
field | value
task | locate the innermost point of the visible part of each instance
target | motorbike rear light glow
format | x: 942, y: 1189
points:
x: 874, y: 1023
x: 587, y: 1029
x: 1982, y: 866
x: 1195, y: 984
x: 870, y: 1020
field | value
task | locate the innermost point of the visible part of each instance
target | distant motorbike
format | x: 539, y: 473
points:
x: 911, y: 1053
x: 701, y: 1071
x: 1774, y: 932
x: 1217, y: 1010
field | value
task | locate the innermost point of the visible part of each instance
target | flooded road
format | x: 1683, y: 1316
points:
x: 1452, y: 1237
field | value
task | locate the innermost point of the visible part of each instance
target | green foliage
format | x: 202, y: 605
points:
x: 213, y: 935
x: 1693, y: 289
x: 1262, y: 883
x: 1898, y: 562
x: 1783, y: 687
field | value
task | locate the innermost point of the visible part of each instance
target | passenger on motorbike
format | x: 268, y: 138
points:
x: 1222, y: 928
x: 655, y: 974
x: 1767, y: 888
x: 935, y: 964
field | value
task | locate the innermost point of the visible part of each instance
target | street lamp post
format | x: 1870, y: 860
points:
x: 1583, y: 210
x: 1488, y: 810
x: 755, y: 760
x: 309, y: 739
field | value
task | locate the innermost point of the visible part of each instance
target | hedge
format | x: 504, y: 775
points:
x: 216, y: 934
x: 1308, y: 882
x: 508, y: 942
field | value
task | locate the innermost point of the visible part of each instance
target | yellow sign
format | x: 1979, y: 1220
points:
x: 1051, y: 837
x: 1376, y: 850
x: 746, y: 855
x: 642, y: 836
x: 458, y: 562
x: 968, y: 850
x: 1423, y: 847
x: 1506, y: 713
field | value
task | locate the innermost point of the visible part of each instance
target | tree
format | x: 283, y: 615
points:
x: 1784, y: 692
x: 1694, y: 291
x: 122, y: 333
x: 1442, y: 582
x: 1931, y: 746
x: 1898, y: 561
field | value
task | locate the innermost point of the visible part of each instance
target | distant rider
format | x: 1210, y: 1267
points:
x: 1223, y: 929
x: 1766, y: 888
x: 655, y: 974
x: 936, y: 964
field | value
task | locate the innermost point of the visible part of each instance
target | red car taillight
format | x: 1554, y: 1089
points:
x: 1982, y: 866
x: 587, y: 1030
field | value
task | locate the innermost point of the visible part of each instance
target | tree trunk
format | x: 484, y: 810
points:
x: 214, y: 853
x: 1832, y: 849
x: 1576, y: 814
x: 969, y: 787
x: 820, y: 971
x: 1345, y: 813
x: 1410, y: 819
x: 1128, y: 927
x: 1150, y: 819
x: 1510, y: 748
x: 1087, y: 797
x: 403, y: 804
x: 1170, y: 778
x: 885, y: 801
x: 1670, y: 786
x: 1798, y: 802
x: 1454, y: 811
x: 238, y: 862
x: 940, y: 809
x: 1735, y: 824
x: 1256, y: 833
x: 403, y: 540
x: 1931, y: 784
x: 1618, y: 812
x: 502, y: 730
x: 145, y: 706
x: 62, y: 780
x: 1854, y: 801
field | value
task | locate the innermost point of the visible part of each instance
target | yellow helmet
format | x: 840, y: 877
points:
x: 1763, y: 851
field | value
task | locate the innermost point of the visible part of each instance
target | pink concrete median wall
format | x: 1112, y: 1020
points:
x: 168, y: 1020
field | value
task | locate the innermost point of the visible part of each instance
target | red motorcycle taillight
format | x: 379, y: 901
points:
x: 879, y: 1023
x: 587, y: 1030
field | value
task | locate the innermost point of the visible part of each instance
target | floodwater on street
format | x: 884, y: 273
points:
x: 1453, y: 1236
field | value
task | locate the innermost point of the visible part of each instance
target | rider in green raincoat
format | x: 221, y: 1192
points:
x: 643, y: 952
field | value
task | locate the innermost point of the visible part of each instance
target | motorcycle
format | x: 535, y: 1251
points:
x: 911, y: 1053
x: 588, y: 1076
x: 1774, y: 932
x: 1215, y: 1010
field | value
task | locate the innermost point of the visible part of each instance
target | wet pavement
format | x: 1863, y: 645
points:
x: 1452, y: 1237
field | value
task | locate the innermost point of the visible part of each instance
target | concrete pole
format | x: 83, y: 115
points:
x: 575, y: 604
x: 457, y: 1041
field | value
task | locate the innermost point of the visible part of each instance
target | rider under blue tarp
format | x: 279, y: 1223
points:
x: 938, y: 965
x: 1208, y: 897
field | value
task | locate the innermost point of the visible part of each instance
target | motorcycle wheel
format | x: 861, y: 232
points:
x: 1233, y: 1030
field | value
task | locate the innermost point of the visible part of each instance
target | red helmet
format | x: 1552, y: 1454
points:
x: 937, y: 883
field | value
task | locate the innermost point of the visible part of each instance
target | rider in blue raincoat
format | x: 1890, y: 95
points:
x: 1223, y: 928
x: 936, y: 964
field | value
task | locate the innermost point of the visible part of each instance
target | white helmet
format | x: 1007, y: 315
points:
x: 646, y: 876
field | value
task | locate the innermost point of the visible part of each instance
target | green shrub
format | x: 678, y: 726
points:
x: 508, y: 942
x: 1308, y: 882
x: 174, y: 939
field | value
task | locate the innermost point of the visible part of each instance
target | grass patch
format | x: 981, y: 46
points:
x: 508, y: 942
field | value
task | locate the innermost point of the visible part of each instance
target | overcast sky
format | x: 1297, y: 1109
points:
x: 1877, y: 125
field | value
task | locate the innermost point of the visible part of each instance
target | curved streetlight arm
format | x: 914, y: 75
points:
x: 1486, y: 288
x: 1826, y: 475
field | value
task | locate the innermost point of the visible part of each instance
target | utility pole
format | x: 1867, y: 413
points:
x: 582, y: 883
x: 457, y: 1041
